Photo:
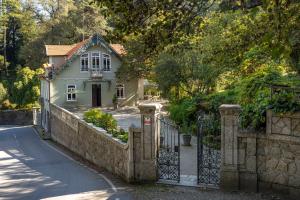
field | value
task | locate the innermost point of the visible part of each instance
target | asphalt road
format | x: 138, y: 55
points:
x: 32, y: 169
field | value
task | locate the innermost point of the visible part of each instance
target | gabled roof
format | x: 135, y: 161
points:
x: 58, y: 50
x: 69, y: 50
x: 72, y: 51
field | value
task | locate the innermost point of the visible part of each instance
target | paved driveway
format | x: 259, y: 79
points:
x: 31, y: 169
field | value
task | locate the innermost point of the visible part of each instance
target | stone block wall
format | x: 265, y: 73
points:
x: 16, y: 117
x: 266, y: 160
x: 287, y: 124
x: 90, y: 142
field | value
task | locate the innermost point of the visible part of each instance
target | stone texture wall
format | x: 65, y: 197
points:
x: 288, y: 124
x: 265, y: 160
x: 16, y: 117
x: 90, y: 142
x: 269, y: 162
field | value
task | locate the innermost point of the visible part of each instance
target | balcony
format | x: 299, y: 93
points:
x: 96, y: 73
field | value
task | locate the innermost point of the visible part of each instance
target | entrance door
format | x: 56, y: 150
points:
x: 96, y: 95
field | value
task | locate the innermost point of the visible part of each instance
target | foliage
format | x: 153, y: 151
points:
x: 123, y: 135
x: 285, y: 101
x: 3, y: 93
x: 215, y: 100
x: 25, y: 89
x: 185, y: 128
x: 183, y: 111
x: 105, y: 121
x: 92, y: 115
x: 7, y: 105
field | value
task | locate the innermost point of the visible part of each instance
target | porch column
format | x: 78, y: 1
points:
x: 149, y: 141
x: 229, y: 146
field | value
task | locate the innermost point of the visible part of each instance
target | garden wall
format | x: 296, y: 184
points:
x: 16, y: 117
x: 90, y: 142
x: 260, y: 161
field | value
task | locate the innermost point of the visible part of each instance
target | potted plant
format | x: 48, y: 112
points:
x: 115, y: 101
x: 186, y: 132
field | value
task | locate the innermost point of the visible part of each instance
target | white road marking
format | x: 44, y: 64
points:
x: 113, y: 187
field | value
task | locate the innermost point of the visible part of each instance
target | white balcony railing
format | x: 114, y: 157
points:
x: 96, y: 73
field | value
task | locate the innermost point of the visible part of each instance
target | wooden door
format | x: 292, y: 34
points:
x: 96, y: 95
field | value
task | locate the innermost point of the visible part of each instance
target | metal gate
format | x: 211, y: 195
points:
x: 208, y: 150
x: 168, y: 154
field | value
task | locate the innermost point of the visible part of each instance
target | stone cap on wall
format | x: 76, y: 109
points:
x: 230, y: 109
x: 149, y: 107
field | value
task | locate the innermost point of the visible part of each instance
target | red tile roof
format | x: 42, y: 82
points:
x: 69, y: 50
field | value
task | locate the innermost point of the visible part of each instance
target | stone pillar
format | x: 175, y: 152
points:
x: 149, y: 142
x: 36, y: 116
x: 134, y: 143
x: 229, y: 147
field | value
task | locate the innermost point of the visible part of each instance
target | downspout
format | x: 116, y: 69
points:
x: 49, y: 101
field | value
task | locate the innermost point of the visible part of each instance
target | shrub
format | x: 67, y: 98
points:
x: 122, y: 135
x: 184, y: 110
x: 92, y: 115
x: 7, y: 105
x: 3, y: 93
x: 217, y: 99
x: 107, y: 122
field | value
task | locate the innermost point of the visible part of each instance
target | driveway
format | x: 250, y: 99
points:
x: 34, y: 169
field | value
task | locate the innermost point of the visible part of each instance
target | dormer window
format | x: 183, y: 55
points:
x: 106, y: 62
x: 84, y: 62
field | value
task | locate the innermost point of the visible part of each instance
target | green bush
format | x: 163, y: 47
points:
x: 254, y: 95
x: 105, y: 121
x: 183, y: 111
x: 215, y: 100
x: 3, y: 93
x: 7, y: 105
x: 92, y: 115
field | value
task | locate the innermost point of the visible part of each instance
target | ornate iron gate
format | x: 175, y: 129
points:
x: 208, y: 150
x: 168, y: 154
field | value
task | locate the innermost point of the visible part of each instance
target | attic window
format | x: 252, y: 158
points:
x: 106, y: 62
x: 84, y: 62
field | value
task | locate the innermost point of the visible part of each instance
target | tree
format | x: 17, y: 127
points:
x: 152, y: 24
x: 67, y: 22
x: 18, y: 27
x: 25, y: 90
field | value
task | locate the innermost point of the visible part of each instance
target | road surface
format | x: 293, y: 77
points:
x: 30, y: 168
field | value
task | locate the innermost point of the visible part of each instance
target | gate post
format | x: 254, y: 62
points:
x: 149, y: 141
x: 229, y: 146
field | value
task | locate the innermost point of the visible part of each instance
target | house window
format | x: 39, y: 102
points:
x: 106, y: 62
x: 96, y: 60
x: 120, y: 91
x: 71, y: 95
x: 84, y: 62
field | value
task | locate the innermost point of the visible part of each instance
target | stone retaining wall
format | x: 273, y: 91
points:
x: 258, y: 161
x: 16, y: 117
x: 90, y: 142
